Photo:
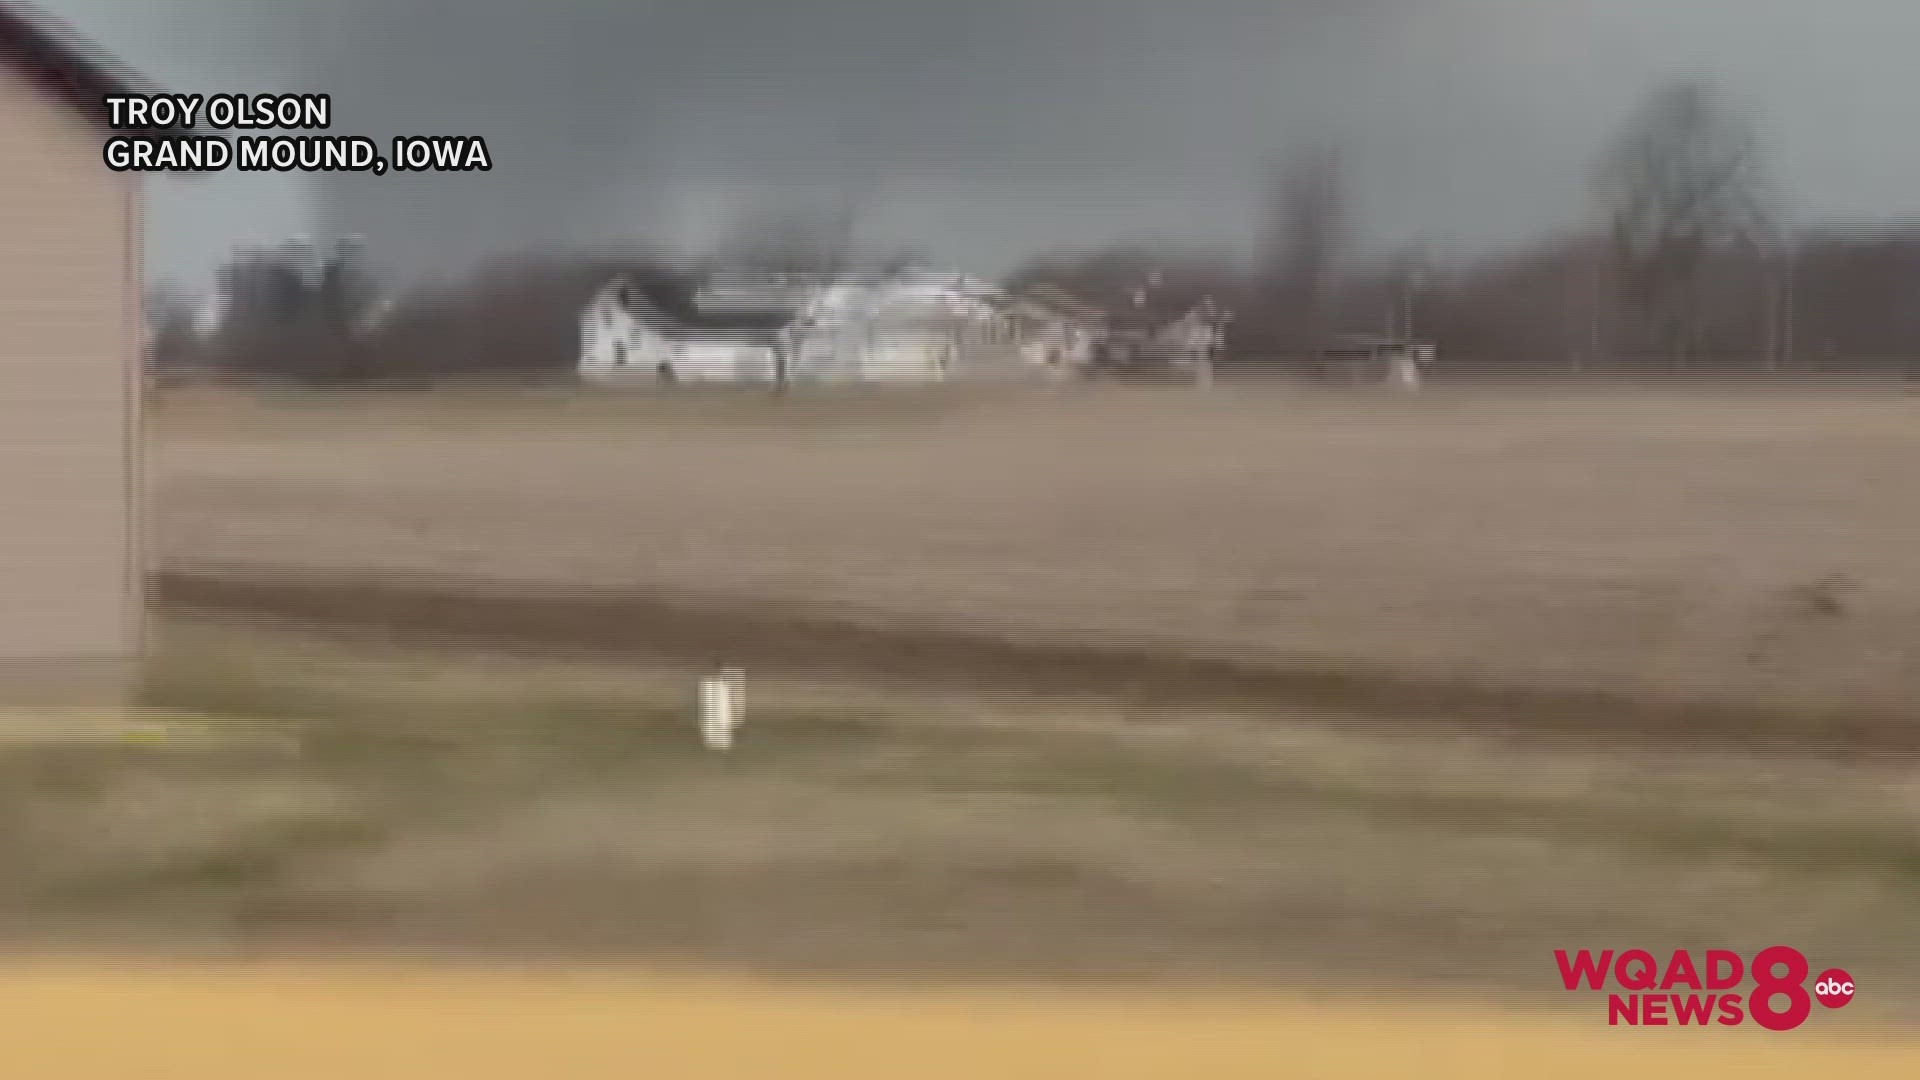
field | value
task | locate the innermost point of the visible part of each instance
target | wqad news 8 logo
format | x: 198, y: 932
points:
x: 1683, y: 992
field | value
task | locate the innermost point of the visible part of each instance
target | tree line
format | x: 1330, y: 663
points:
x: 1693, y: 264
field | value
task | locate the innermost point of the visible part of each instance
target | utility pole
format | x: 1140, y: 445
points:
x: 1782, y: 272
x: 1410, y: 289
x: 1409, y: 280
x: 1213, y: 324
x: 1577, y: 304
x: 1787, y: 305
x: 1596, y: 298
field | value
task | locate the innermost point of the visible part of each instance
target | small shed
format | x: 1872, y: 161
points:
x: 1363, y: 359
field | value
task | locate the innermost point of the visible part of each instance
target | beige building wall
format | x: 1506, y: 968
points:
x: 71, y: 586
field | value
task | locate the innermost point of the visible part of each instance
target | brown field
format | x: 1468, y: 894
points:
x: 1110, y: 685
x: 1734, y: 561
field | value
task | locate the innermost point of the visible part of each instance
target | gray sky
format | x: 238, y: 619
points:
x: 990, y: 130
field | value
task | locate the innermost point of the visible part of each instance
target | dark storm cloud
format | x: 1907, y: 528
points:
x: 670, y: 120
x: 989, y: 129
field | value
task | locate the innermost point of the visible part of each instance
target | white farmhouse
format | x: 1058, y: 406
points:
x: 911, y: 327
x: 626, y: 336
x: 1056, y: 333
x: 908, y: 328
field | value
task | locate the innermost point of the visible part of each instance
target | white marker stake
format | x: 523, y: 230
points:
x: 1406, y: 372
x: 720, y: 708
x: 736, y: 681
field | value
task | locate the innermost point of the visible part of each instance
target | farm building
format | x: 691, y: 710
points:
x: 900, y: 328
x: 1365, y: 358
x: 724, y: 292
x: 71, y: 622
x: 1055, y: 331
x: 627, y: 333
x: 910, y: 327
x: 1143, y: 342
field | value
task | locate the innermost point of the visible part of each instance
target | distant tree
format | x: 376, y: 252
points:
x: 1855, y: 298
x: 1516, y: 310
x: 261, y: 292
x: 345, y: 292
x: 1406, y: 277
x: 1683, y: 178
x: 171, y: 342
x: 1308, y: 233
x: 1175, y: 277
x: 518, y: 316
x: 297, y: 312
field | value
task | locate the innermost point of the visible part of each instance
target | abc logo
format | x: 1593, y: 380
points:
x: 1834, y: 988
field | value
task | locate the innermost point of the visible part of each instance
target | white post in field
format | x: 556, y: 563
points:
x: 1406, y: 368
x: 1210, y: 337
x: 722, y: 707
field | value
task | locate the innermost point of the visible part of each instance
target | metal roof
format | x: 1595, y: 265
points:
x: 1057, y: 300
x: 679, y: 320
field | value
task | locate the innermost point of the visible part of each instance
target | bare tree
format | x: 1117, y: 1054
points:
x: 171, y: 341
x: 296, y: 311
x: 1683, y: 178
x: 1407, y: 277
x: 1774, y: 247
x: 1308, y: 233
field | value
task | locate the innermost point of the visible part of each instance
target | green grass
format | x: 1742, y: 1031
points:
x: 857, y: 826
x: 403, y: 717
